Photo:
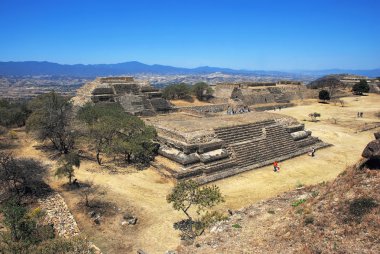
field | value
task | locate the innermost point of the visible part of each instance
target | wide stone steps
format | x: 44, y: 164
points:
x: 241, y: 133
x: 277, y: 143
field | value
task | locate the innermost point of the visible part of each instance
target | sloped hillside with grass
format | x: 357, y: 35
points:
x: 342, y: 216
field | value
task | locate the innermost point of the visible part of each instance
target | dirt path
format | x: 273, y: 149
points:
x: 145, y: 191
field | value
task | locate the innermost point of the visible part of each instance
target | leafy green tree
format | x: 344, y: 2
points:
x: 51, y: 120
x: 324, y: 95
x: 67, y: 166
x: 113, y: 131
x: 177, y: 91
x: 361, y: 87
x: 189, y: 195
x: 13, y: 113
x: 201, y: 90
x: 21, y: 175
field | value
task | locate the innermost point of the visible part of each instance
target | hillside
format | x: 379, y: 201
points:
x: 327, y: 82
x: 34, y: 68
x: 342, y: 216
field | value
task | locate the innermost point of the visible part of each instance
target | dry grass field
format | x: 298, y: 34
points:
x: 143, y: 192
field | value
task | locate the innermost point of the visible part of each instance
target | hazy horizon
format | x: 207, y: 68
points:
x: 249, y: 35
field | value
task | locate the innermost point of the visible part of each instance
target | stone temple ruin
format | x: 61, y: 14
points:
x: 214, y: 147
x: 270, y: 93
x: 137, y: 98
x: 205, y: 143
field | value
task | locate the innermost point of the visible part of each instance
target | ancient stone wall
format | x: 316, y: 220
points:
x: 116, y: 79
x: 233, y: 149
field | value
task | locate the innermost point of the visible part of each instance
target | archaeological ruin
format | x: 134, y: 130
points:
x: 208, y: 142
x: 209, y: 148
x: 136, y: 97
x: 276, y: 94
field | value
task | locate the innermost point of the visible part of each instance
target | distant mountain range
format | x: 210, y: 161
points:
x: 34, y: 68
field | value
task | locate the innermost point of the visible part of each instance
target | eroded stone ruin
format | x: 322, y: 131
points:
x: 206, y: 143
x: 137, y: 98
x: 252, y: 93
x: 214, y: 147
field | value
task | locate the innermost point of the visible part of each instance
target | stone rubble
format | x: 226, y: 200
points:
x: 58, y: 214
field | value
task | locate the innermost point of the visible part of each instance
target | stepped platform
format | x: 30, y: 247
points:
x: 219, y: 145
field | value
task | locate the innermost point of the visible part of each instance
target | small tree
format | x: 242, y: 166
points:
x: 21, y: 175
x: 111, y: 131
x: 361, y: 87
x: 201, y: 90
x: 324, y: 95
x: 67, y: 164
x: 188, y: 194
x: 50, y: 120
x: 314, y: 116
x: 177, y: 91
x: 89, y: 191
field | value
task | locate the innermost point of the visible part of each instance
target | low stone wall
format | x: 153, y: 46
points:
x: 58, y: 213
x: 213, y: 108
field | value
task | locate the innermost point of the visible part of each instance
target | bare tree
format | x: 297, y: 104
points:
x: 89, y: 191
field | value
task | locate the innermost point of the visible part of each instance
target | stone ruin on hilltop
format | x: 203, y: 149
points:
x: 209, y: 148
x: 205, y: 143
x: 137, y: 98
x: 277, y: 93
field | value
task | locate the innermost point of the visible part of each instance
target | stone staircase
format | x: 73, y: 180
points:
x: 277, y: 143
x: 282, y: 98
x: 241, y: 133
x: 132, y: 104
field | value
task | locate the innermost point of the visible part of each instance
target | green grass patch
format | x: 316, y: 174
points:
x: 236, y: 226
x: 298, y: 202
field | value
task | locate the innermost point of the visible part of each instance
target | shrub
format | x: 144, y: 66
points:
x: 189, y: 194
x: 361, y: 206
x: 361, y: 87
x: 201, y: 90
x: 324, y: 95
x: 314, y: 116
x: 176, y: 91
x: 12, y: 134
x: 309, y: 220
x: 298, y: 202
x: 236, y: 226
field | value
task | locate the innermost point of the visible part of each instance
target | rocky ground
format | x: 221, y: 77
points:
x: 58, y: 213
x: 342, y: 216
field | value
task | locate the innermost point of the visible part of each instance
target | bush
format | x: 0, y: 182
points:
x: 189, y: 194
x: 361, y: 206
x: 3, y: 130
x: 298, y: 202
x: 21, y: 176
x: 13, y: 114
x: 361, y: 87
x: 177, y: 91
x: 324, y: 95
x: 12, y: 134
x: 314, y: 116
x: 50, y: 120
x: 201, y: 91
x: 309, y: 220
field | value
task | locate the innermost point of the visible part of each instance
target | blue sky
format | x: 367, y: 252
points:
x: 260, y: 35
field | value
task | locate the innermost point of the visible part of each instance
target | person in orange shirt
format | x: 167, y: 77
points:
x: 276, y: 168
